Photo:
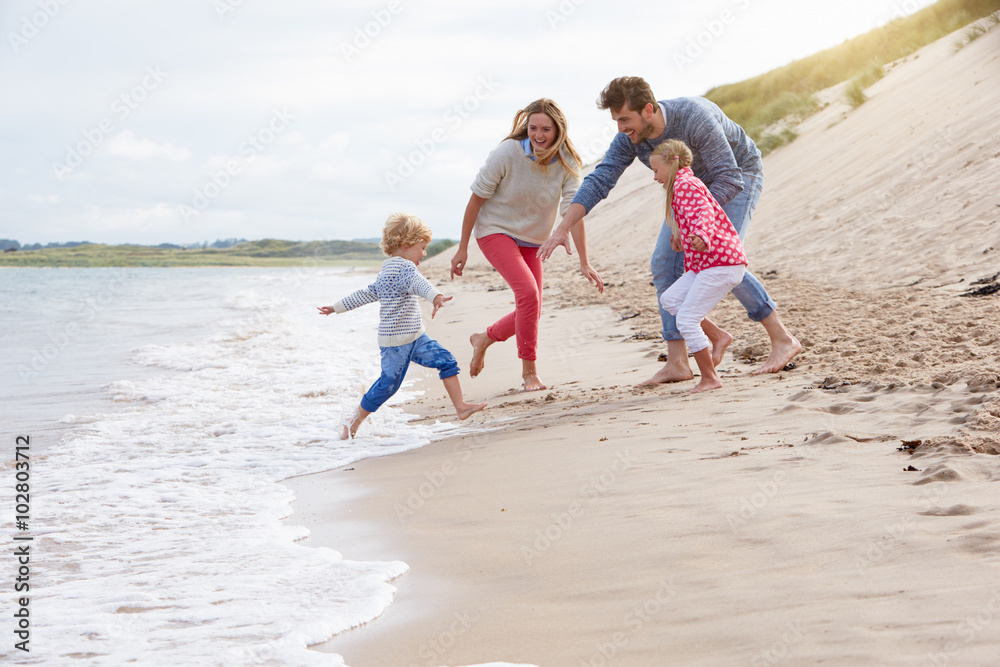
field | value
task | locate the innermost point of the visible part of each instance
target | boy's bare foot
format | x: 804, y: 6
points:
x: 532, y: 382
x: 479, y: 341
x: 707, y: 385
x: 344, y: 432
x: 669, y: 373
x: 719, y: 347
x: 781, y: 353
x: 468, y: 410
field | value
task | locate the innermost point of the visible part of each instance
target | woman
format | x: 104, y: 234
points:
x: 527, y: 180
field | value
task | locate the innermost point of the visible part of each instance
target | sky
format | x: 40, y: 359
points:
x: 184, y: 121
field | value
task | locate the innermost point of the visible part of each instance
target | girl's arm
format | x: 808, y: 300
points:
x: 580, y: 241
x: 468, y: 222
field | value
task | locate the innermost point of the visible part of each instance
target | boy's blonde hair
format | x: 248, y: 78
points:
x: 677, y: 155
x: 402, y: 230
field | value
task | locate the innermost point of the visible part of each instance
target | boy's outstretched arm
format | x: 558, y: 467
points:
x: 438, y: 302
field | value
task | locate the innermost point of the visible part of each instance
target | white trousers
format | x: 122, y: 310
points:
x: 693, y: 296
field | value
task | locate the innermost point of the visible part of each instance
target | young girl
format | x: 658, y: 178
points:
x: 527, y: 180
x: 401, y: 336
x: 714, y: 261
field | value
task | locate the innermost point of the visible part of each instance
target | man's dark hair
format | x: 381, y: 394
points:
x: 632, y: 90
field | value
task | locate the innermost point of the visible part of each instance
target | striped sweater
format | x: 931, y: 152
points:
x: 396, y: 288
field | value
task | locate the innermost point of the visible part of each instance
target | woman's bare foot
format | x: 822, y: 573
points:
x: 479, y: 341
x: 468, y: 409
x: 781, y: 353
x: 532, y: 382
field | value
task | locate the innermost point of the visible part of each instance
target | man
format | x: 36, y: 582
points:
x: 725, y: 159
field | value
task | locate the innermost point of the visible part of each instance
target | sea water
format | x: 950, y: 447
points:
x: 164, y: 407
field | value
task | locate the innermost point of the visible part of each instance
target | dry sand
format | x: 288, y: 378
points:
x: 781, y: 519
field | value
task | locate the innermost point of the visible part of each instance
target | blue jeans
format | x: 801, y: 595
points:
x: 667, y: 265
x: 396, y: 361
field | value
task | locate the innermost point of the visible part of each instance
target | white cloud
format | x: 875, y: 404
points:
x: 126, y: 144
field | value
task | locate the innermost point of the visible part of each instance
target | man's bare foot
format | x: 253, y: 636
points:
x: 532, y: 382
x: 720, y: 346
x: 468, y: 410
x: 479, y: 341
x: 669, y: 373
x: 707, y: 384
x: 781, y: 354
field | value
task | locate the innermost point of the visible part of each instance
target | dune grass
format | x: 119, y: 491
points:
x: 788, y: 93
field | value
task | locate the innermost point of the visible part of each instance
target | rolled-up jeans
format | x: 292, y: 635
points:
x: 667, y: 265
x: 693, y: 296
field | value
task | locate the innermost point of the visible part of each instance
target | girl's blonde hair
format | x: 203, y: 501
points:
x: 677, y: 155
x: 402, y: 230
x: 519, y: 131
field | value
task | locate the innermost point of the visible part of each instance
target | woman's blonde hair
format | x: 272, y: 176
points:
x: 402, y: 230
x: 677, y: 155
x: 519, y: 131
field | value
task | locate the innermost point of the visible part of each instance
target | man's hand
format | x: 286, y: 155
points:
x: 675, y: 243
x: 438, y: 302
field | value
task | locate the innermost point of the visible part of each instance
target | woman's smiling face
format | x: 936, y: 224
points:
x: 542, y: 131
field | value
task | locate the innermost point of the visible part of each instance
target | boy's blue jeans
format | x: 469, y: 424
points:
x: 396, y: 360
x: 667, y: 265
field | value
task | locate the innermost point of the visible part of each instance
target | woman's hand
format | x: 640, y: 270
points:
x: 590, y: 274
x: 458, y: 262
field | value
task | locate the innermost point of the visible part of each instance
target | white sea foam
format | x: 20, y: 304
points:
x: 159, y: 537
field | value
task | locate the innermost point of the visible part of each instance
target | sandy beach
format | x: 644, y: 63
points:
x: 839, y: 512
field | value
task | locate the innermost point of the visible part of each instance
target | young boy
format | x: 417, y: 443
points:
x: 401, y: 336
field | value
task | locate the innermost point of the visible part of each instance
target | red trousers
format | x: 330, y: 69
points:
x: 523, y: 272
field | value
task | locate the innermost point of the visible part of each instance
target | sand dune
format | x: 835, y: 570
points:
x: 842, y: 512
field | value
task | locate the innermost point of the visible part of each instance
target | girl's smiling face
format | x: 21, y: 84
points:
x: 541, y: 131
x: 661, y: 170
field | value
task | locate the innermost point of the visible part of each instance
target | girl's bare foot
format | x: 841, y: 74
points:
x: 532, y: 382
x: 468, y: 410
x: 720, y: 346
x: 707, y: 384
x: 479, y: 341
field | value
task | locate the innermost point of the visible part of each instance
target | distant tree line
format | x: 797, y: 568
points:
x: 11, y: 244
